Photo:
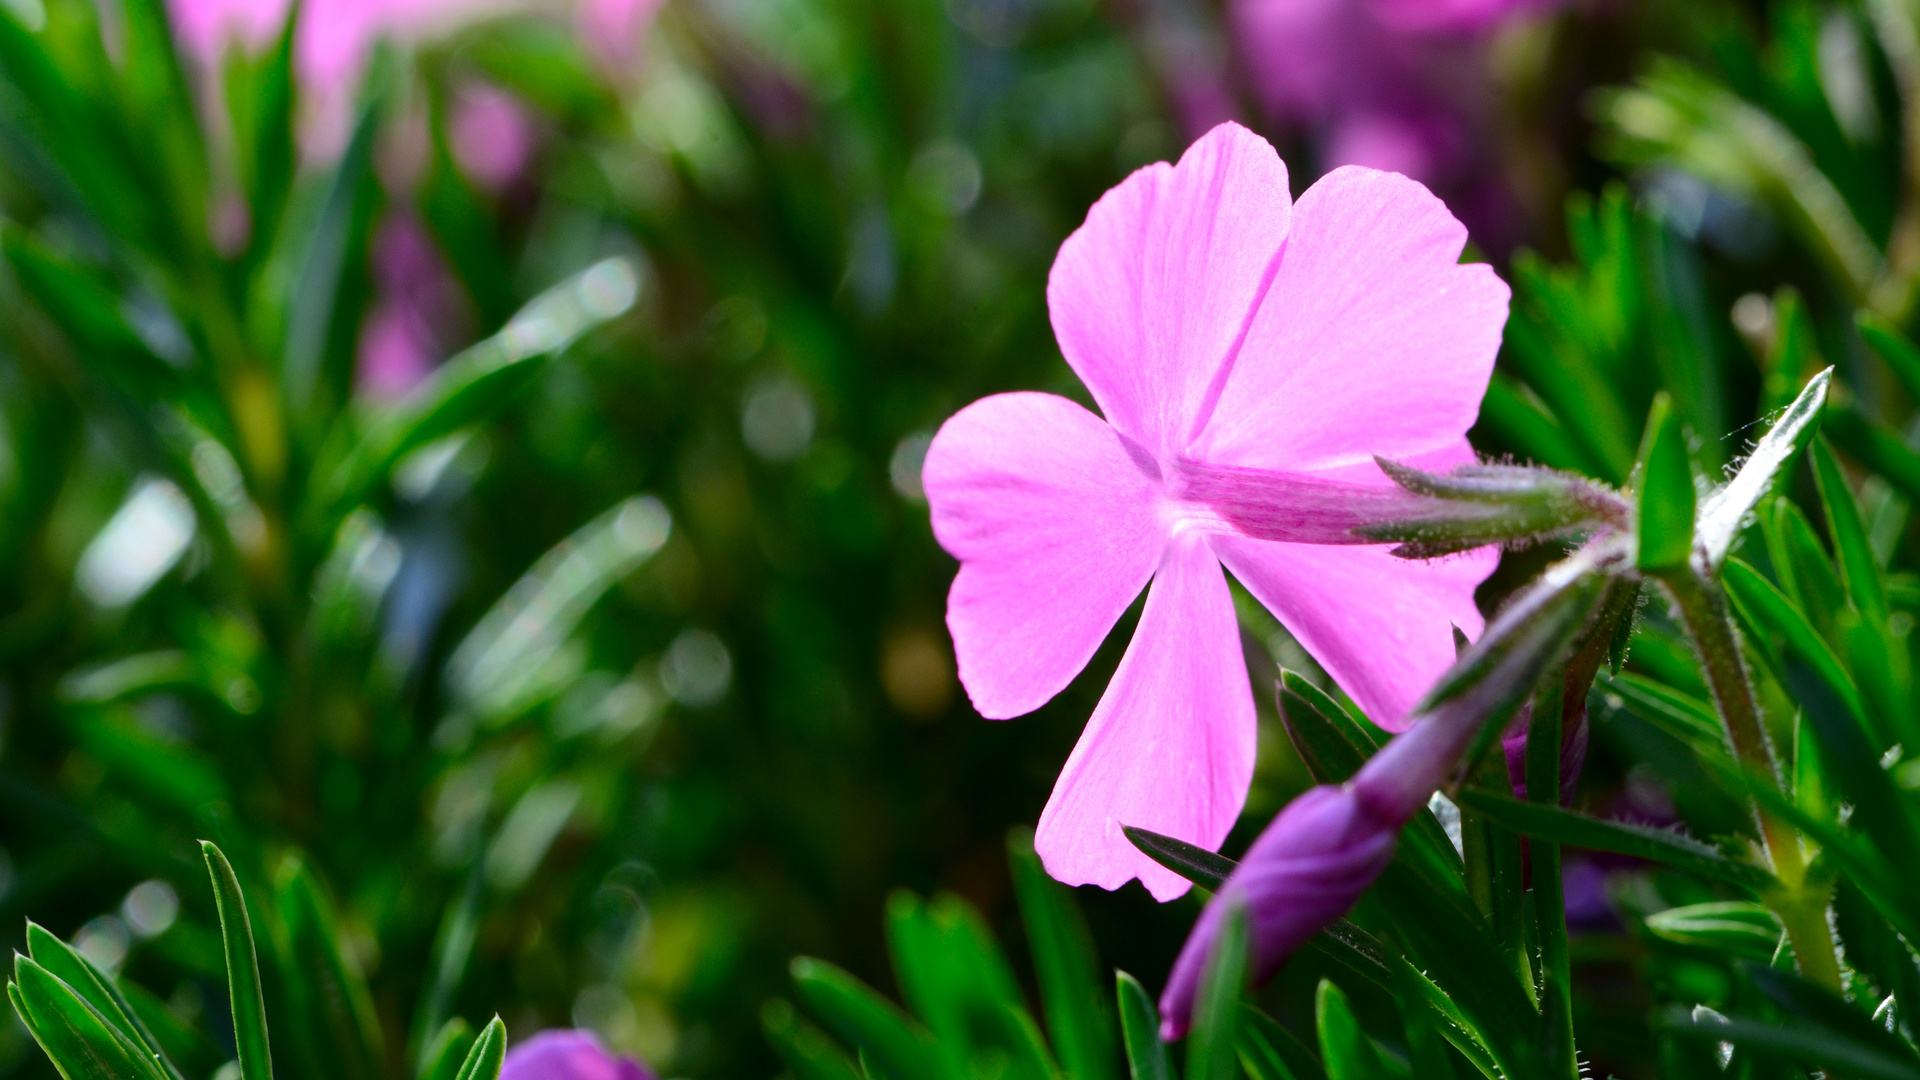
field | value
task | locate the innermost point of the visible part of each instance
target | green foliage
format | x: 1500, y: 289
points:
x: 422, y: 663
x: 85, y: 1022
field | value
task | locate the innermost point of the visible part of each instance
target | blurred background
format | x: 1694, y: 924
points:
x: 604, y: 654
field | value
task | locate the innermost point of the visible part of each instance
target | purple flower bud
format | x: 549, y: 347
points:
x: 568, y: 1055
x: 1573, y: 755
x: 1308, y: 867
x: 1315, y: 859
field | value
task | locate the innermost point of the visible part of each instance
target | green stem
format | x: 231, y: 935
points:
x: 1703, y: 608
x: 1549, y: 906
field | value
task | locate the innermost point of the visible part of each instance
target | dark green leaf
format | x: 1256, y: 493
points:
x: 1358, y: 951
x: 243, y: 968
x: 98, y: 988
x: 805, y: 1049
x: 1140, y: 1025
x: 958, y: 983
x: 1639, y: 841
x: 1875, y: 446
x: 1858, y: 567
x: 1901, y: 357
x: 867, y: 1020
x: 1801, y: 564
x: 1191, y: 861
x: 489, y: 1051
x: 79, y: 1040
x: 333, y: 1000
x: 181, y: 1044
x: 1681, y: 715
x: 1344, y: 1047
x: 1755, y: 596
x: 1797, y: 1040
x: 475, y: 384
x: 1213, y: 1041
x: 1666, y: 498
x: 447, y: 1050
x: 1271, y: 1052
x: 1066, y: 966
x: 1816, y: 1004
x: 1739, y: 927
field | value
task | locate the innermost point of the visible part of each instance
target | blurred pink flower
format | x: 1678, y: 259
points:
x: 335, y: 37
x: 492, y: 135
x: 1398, y: 85
x: 611, y: 28
x: 1250, y: 356
x: 568, y: 1055
x: 416, y: 310
x: 206, y: 27
x: 1454, y: 14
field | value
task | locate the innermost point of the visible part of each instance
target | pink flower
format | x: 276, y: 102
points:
x: 492, y: 136
x: 611, y: 28
x: 1250, y: 357
x: 417, y: 308
x: 335, y: 37
x: 568, y: 1055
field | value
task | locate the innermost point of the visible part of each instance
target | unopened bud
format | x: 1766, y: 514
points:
x: 1477, y: 505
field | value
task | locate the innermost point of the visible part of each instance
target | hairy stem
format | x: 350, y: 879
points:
x: 1703, y: 609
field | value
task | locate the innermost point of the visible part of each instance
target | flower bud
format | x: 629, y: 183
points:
x: 1477, y: 505
x: 568, y: 1055
x: 1316, y: 858
x: 1573, y: 755
x: 1308, y: 867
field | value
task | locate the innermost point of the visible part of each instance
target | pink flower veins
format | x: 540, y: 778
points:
x: 1250, y: 356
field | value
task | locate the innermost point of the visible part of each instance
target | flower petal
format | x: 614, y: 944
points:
x: 1374, y: 339
x: 1382, y: 626
x: 1052, y: 515
x: 1170, y: 746
x: 1152, y: 294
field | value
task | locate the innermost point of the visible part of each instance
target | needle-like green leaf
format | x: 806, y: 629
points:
x: 243, y: 968
x: 489, y: 1051
x: 1666, y: 500
x: 1140, y: 1026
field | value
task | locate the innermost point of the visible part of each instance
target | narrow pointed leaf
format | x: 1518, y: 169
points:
x: 805, y: 1049
x: 1859, y: 570
x: 1753, y: 594
x: 1212, y: 1044
x: 1793, y: 1039
x: 1140, y: 1027
x: 1078, y: 1022
x: 1666, y: 498
x: 489, y: 1051
x: 1728, y: 507
x: 346, y: 1035
x: 1737, y: 927
x: 1344, y: 1047
x: 66, y: 964
x: 243, y: 968
x: 1191, y: 861
x: 79, y: 1040
x: 1638, y: 841
x: 447, y: 1050
x: 1271, y: 1052
x: 478, y: 382
x: 1876, y: 446
x: 1901, y: 357
x: 864, y: 1018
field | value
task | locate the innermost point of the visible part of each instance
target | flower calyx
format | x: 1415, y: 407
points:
x: 1478, y: 505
